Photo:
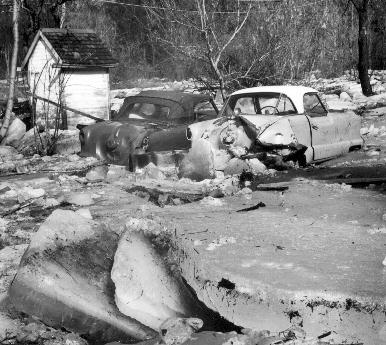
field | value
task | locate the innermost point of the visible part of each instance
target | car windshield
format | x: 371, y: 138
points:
x: 142, y: 110
x: 271, y: 103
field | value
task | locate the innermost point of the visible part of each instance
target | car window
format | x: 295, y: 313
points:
x: 313, y: 105
x: 142, y: 110
x: 285, y: 106
x: 267, y: 103
x: 204, y: 109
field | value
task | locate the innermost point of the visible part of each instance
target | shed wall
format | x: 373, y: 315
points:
x: 43, y: 78
x: 87, y: 91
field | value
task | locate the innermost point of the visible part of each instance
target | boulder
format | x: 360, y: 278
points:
x: 345, y: 97
x: 97, y: 174
x: 256, y: 166
x: 149, y: 295
x: 64, y: 280
x: 16, y: 131
x: 198, y: 164
x: 7, y: 152
x: 80, y: 199
x: 236, y: 166
x: 153, y: 172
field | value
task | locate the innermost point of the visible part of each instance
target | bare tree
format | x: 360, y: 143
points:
x: 363, y: 7
x: 214, y: 47
x: 12, y: 78
x: 214, y: 35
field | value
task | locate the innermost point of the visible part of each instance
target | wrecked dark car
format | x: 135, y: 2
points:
x: 150, y: 127
x: 272, y: 124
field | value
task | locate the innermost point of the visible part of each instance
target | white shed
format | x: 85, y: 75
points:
x: 71, y: 68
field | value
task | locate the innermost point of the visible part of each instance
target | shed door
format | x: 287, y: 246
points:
x: 87, y: 91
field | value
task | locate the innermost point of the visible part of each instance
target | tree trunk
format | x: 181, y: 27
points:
x: 12, y: 79
x: 363, y: 46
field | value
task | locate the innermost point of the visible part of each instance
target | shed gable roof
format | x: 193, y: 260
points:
x: 75, y: 48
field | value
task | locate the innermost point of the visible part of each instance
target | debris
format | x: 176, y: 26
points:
x: 236, y: 166
x: 80, y: 199
x: 175, y: 331
x: 153, y: 172
x: 210, y: 201
x: 162, y: 198
x: 97, y: 174
x: 220, y: 242
x: 384, y: 262
x: 252, y: 208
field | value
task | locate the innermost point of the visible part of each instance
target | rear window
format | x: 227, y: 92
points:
x: 145, y: 111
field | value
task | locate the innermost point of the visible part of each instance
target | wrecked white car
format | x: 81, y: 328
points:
x: 273, y: 123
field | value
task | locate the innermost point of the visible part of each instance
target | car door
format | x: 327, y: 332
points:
x: 326, y: 129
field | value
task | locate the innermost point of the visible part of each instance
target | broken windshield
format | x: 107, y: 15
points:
x: 259, y: 104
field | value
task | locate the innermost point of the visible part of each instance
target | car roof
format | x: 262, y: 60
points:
x: 294, y: 92
x: 176, y: 96
x: 181, y: 103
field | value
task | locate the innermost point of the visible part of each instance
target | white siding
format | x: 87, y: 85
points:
x: 43, y: 78
x: 87, y: 91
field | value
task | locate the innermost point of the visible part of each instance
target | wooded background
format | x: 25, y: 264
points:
x: 272, y: 41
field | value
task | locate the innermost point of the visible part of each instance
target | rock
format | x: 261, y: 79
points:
x: 332, y: 97
x: 210, y: 201
x: 7, y: 152
x: 150, y: 296
x: 178, y: 330
x: 153, y: 172
x: 73, y: 158
x: 236, y: 166
x: 256, y: 166
x: 373, y: 153
x: 30, y: 333
x: 116, y: 171
x: 198, y: 164
x: 28, y: 193
x: 16, y: 131
x: 384, y: 262
x: 345, y: 97
x: 84, y: 212
x: 341, y: 105
x: 97, y: 174
x: 64, y: 280
x: 8, y: 327
x: 80, y: 199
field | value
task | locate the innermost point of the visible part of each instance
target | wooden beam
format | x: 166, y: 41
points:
x: 82, y: 113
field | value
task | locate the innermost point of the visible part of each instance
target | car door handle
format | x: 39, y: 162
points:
x: 314, y: 127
